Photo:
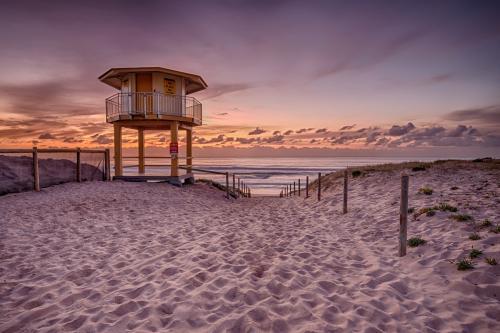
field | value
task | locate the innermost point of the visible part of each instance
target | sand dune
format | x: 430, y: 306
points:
x: 16, y: 173
x: 117, y: 257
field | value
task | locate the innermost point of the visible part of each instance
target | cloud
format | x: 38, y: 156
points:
x: 247, y: 140
x: 276, y: 132
x: 372, y: 137
x: 274, y: 139
x: 321, y: 130
x: 348, y: 127
x: 304, y: 130
x: 221, y: 89
x: 440, y: 78
x: 222, y: 114
x: 257, y: 131
x: 48, y: 98
x: 396, y: 130
x: 47, y: 136
x: 288, y: 132
x: 218, y: 139
x: 458, y: 131
x: 102, y: 139
x: 485, y: 115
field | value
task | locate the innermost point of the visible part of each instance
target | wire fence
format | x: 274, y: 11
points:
x: 233, y: 185
x: 32, y: 169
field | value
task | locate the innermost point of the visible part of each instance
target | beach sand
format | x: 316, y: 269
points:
x: 118, y: 257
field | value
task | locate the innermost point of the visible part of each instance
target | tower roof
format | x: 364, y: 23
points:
x: 113, y: 77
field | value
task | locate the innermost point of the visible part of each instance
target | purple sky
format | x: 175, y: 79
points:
x: 365, y: 75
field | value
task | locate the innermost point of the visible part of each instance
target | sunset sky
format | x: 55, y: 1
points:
x: 299, y: 77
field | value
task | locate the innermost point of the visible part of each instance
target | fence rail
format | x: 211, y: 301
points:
x: 238, y: 188
x: 41, y: 167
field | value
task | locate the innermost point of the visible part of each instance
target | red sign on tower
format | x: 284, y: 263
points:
x: 174, y: 147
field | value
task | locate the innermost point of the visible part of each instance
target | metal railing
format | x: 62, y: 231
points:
x: 153, y: 104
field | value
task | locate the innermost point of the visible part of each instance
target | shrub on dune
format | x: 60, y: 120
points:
x: 428, y: 211
x: 445, y: 207
x: 474, y: 236
x: 420, y: 167
x: 425, y: 190
x: 475, y: 253
x: 490, y: 261
x: 496, y: 229
x: 464, y: 264
x: 356, y: 173
x: 485, y: 224
x: 416, y: 241
x: 461, y: 217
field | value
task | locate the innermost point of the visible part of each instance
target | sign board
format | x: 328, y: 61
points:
x: 174, y: 148
x: 169, y: 86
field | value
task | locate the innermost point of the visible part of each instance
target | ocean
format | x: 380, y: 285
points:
x: 266, y: 176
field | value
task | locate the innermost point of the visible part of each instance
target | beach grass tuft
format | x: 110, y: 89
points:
x: 356, y: 173
x: 464, y: 264
x: 496, y: 229
x: 420, y: 167
x: 461, y: 217
x: 416, y: 241
x: 485, y: 224
x: 474, y: 236
x: 474, y: 253
x: 426, y: 190
x: 490, y: 261
x: 445, y: 207
x: 428, y: 211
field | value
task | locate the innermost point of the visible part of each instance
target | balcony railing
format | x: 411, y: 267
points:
x: 151, y: 105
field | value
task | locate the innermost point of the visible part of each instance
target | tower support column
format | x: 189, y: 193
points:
x: 174, y: 149
x: 189, y: 150
x: 118, y: 149
x: 140, y: 141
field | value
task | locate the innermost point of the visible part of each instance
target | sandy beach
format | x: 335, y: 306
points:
x: 119, y: 257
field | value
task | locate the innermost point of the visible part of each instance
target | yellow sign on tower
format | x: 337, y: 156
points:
x: 169, y: 86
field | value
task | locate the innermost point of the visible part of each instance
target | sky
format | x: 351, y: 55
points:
x: 285, y: 78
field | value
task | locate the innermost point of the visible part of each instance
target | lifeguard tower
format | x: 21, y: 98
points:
x: 154, y: 98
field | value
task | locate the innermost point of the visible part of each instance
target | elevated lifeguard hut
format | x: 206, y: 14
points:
x: 153, y: 98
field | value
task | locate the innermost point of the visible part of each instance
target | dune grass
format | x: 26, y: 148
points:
x: 426, y: 190
x: 461, y: 217
x: 474, y: 253
x: 464, y: 264
x: 490, y: 261
x: 416, y: 241
x: 474, y: 236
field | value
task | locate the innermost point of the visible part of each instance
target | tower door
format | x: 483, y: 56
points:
x: 144, y: 95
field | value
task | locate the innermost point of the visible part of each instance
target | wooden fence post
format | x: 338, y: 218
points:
x: 294, y: 192
x: 234, y: 184
x: 239, y: 187
x: 307, y: 186
x: 299, y: 187
x: 78, y: 165
x: 403, y: 215
x: 319, y: 186
x: 36, y: 173
x: 107, y: 163
x: 346, y: 178
x: 227, y: 185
